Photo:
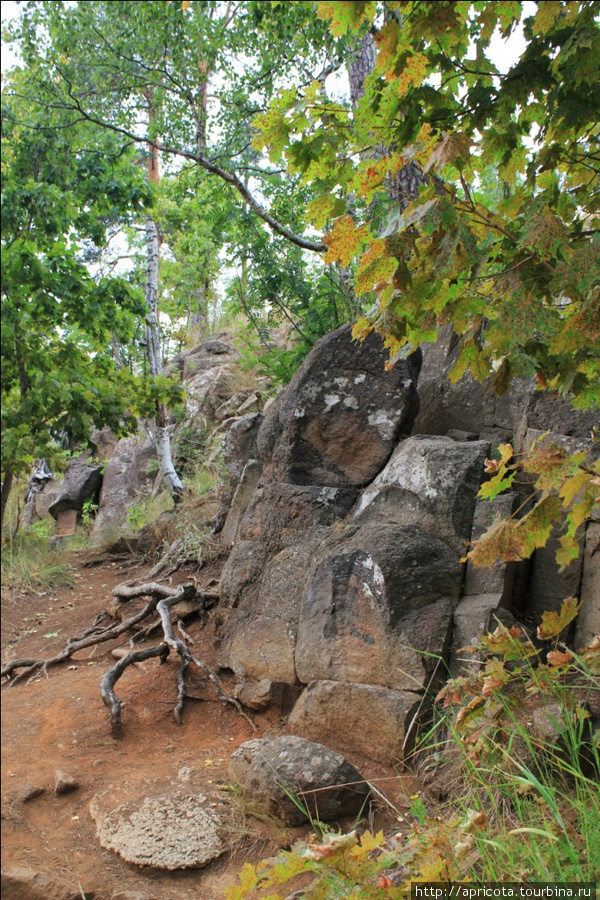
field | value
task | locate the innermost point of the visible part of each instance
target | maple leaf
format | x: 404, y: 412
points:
x: 344, y: 240
x: 452, y: 146
x: 553, y: 623
x: 346, y: 15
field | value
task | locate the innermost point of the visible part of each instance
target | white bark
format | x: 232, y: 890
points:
x: 162, y: 437
x: 152, y: 330
x: 172, y: 481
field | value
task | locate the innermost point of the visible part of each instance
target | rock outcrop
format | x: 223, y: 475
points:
x: 346, y: 578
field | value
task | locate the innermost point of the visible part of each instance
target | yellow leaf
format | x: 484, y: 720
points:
x: 553, y: 623
x: 344, y: 240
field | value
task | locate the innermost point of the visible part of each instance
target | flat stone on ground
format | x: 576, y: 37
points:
x: 165, y: 832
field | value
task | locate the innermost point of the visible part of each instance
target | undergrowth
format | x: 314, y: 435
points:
x: 28, y: 560
x: 524, y: 756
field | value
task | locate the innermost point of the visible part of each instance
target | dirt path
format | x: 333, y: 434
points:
x: 58, y: 722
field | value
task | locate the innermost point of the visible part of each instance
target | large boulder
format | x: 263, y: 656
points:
x: 341, y: 415
x: 378, y: 607
x: 363, y: 718
x: 279, y: 512
x: 266, y: 597
x: 81, y: 482
x: 431, y: 482
x: 129, y: 476
x: 288, y: 773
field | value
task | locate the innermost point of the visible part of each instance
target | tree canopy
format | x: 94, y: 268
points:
x: 496, y: 235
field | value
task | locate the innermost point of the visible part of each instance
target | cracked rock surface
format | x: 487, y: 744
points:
x: 164, y: 832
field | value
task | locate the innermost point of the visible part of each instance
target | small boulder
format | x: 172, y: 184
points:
x: 64, y: 783
x: 290, y: 774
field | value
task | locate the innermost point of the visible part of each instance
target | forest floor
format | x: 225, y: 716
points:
x: 58, y: 722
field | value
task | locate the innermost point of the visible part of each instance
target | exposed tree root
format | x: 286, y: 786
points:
x: 103, y: 628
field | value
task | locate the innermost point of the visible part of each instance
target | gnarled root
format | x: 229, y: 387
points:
x: 162, y: 599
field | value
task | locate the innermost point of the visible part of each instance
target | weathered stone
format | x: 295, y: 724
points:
x: 339, y: 418
x: 499, y: 576
x: 241, y: 499
x: 66, y: 522
x: 588, y: 620
x: 431, y: 482
x: 64, y: 783
x: 104, y: 442
x: 240, y: 578
x: 318, y: 778
x: 279, y: 512
x: 260, y: 633
x: 471, y: 406
x: 81, y: 482
x: 30, y: 792
x: 239, y: 446
x: 550, y: 585
x: 548, y: 722
x: 546, y: 413
x: 21, y: 883
x: 357, y: 718
x: 379, y: 600
x: 473, y: 617
x: 166, y: 832
x: 131, y: 895
x: 128, y: 479
x: 259, y: 695
x: 465, y: 405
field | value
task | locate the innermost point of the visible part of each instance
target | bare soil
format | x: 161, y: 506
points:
x: 58, y: 722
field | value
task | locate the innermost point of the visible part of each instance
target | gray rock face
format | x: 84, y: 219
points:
x: 470, y: 406
x: 499, y: 577
x: 431, y: 482
x: 239, y: 446
x: 128, y: 478
x: 588, y: 620
x: 168, y: 832
x: 81, y: 482
x: 362, y: 718
x: 379, y: 598
x: 338, y: 420
x: 320, y: 779
x: 260, y: 633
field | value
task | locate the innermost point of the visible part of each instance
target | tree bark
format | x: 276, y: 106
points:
x: 162, y: 437
x: 6, y: 486
x: 404, y: 186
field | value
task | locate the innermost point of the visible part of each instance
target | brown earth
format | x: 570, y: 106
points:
x: 58, y: 722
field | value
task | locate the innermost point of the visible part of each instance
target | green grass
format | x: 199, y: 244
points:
x: 29, y: 562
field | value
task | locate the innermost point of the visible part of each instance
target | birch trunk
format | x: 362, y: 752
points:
x: 162, y: 437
